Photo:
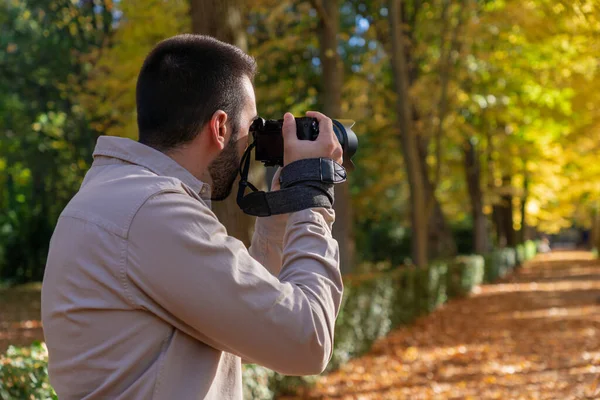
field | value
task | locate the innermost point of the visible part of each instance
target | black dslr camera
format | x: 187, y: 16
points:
x: 268, y: 142
x: 268, y: 138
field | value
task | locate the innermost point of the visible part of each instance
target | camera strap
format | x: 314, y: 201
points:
x: 304, y: 184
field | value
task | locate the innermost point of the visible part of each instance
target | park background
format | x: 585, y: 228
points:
x: 478, y: 128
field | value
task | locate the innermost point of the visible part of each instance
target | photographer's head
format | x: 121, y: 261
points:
x: 195, y: 102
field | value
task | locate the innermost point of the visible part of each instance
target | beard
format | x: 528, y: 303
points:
x: 224, y: 170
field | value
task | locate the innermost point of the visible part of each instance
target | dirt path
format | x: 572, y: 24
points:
x: 534, y: 336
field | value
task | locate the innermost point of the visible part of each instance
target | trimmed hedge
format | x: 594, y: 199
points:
x: 24, y: 373
x: 464, y: 273
x: 499, y: 263
x: 373, y: 304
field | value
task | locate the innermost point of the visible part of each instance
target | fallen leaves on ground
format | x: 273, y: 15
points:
x: 20, y: 323
x: 534, y: 335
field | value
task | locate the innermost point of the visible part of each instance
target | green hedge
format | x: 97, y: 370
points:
x: 24, y: 373
x: 373, y: 304
x: 530, y: 249
x: 464, y: 273
x: 498, y: 263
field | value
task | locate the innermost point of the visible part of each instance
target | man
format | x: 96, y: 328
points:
x: 144, y: 295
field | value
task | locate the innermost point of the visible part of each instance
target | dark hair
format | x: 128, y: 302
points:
x: 183, y: 81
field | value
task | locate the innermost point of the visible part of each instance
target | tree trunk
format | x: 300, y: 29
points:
x: 331, y: 97
x: 473, y: 177
x: 225, y: 20
x: 498, y: 226
x: 506, y: 212
x: 408, y: 137
x: 595, y: 239
x: 222, y: 19
x: 441, y: 243
x: 524, y: 233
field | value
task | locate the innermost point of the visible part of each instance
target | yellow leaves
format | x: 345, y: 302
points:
x: 114, y: 77
x: 558, y: 8
x: 411, y: 354
x: 73, y: 29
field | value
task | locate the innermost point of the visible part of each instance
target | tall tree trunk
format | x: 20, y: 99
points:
x: 331, y: 97
x: 441, y: 243
x: 524, y: 233
x: 408, y: 137
x: 225, y: 20
x: 506, y: 212
x: 473, y: 177
x: 497, y: 217
x: 595, y: 239
x: 222, y: 19
x: 500, y: 235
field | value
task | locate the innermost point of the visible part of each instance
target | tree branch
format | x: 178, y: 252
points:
x: 320, y: 7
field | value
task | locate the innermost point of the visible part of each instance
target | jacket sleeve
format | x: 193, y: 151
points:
x: 184, y: 268
x: 267, y: 242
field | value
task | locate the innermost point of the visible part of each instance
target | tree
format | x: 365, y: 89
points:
x: 331, y: 98
x: 418, y: 198
x: 226, y: 21
x: 473, y: 178
x: 46, y: 140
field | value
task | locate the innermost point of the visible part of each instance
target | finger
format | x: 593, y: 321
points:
x: 325, y: 126
x: 338, y: 156
x: 289, y: 128
x: 315, y: 114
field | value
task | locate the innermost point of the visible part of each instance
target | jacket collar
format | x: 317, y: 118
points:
x: 137, y: 153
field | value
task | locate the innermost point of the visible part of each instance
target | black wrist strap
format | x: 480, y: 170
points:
x: 323, y: 170
x: 304, y: 184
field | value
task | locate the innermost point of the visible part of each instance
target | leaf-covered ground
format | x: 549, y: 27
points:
x: 536, y: 335
x: 20, y: 316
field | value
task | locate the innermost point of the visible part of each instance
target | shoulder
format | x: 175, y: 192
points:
x: 114, y: 196
x: 169, y: 212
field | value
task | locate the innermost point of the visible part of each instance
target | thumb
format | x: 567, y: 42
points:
x: 289, y: 127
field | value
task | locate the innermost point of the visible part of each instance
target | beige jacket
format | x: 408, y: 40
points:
x: 146, y: 297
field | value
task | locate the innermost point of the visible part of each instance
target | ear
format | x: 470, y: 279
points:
x: 218, y: 129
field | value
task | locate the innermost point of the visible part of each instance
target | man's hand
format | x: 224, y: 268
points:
x: 325, y: 146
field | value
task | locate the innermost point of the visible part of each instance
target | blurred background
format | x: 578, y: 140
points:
x: 477, y: 119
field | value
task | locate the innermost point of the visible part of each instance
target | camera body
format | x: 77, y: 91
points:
x: 268, y: 138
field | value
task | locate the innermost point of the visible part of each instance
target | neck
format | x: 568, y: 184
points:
x: 190, y: 160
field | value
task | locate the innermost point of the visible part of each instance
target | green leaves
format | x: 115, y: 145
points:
x: 24, y: 373
x: 45, y: 138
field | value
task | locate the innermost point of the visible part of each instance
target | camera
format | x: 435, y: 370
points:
x: 268, y: 138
